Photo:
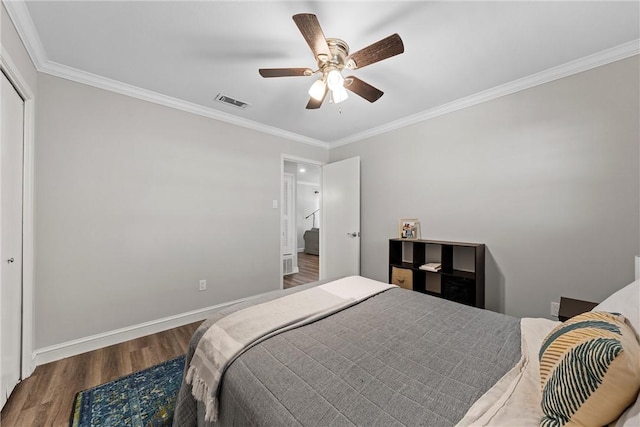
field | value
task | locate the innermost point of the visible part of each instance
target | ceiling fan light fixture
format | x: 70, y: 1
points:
x: 335, y: 81
x: 332, y: 56
x: 317, y: 89
x: 339, y: 95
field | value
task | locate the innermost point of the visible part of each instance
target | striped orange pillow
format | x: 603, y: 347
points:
x: 589, y: 370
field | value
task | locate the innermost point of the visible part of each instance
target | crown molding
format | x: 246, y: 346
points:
x: 23, y: 23
x: 100, y: 82
x: 586, y: 63
x: 21, y: 19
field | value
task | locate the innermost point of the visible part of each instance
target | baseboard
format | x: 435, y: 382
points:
x: 105, y: 339
x: 294, y: 270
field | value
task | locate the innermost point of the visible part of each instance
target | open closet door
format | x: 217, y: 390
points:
x: 340, y: 233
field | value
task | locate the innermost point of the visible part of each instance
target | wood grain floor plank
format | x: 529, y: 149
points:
x: 46, y: 397
x: 309, y: 271
x: 59, y: 409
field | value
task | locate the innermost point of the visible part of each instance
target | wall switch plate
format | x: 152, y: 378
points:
x: 203, y: 285
x: 555, y: 308
x: 275, y: 204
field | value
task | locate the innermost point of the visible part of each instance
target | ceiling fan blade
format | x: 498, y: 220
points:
x: 362, y: 89
x: 284, y: 72
x: 314, y: 103
x: 382, y: 49
x: 312, y: 32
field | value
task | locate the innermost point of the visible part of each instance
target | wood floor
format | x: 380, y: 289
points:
x: 308, y: 271
x: 45, y: 398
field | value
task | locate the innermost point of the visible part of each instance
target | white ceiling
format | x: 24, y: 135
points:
x: 184, y: 53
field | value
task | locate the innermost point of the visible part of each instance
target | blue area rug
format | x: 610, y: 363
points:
x: 145, y: 398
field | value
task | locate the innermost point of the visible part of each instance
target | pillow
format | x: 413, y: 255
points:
x: 589, y: 370
x: 626, y: 301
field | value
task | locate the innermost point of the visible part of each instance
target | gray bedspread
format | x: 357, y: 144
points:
x: 398, y: 358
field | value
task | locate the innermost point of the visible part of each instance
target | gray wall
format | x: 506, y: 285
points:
x: 136, y: 202
x: 548, y: 178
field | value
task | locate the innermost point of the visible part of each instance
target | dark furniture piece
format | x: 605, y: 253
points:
x: 570, y: 307
x: 461, y: 277
x: 311, y: 241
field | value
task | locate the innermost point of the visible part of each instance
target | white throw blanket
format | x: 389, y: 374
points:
x: 515, y: 399
x: 226, y: 339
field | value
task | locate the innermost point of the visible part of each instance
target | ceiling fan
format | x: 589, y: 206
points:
x: 333, y: 57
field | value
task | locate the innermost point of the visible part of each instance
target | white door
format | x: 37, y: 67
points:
x: 340, y: 231
x: 11, y: 164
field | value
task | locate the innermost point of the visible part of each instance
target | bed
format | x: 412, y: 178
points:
x: 385, y: 356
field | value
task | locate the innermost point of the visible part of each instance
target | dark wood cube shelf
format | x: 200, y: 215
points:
x: 461, y: 277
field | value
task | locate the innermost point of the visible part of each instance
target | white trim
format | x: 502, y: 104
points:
x: 311, y: 184
x: 583, y: 64
x: 21, y: 18
x: 28, y: 263
x: 100, y: 82
x: 290, y: 158
x: 297, y: 159
x: 23, y: 23
x: 105, y: 339
x: 604, y: 57
x: 294, y: 270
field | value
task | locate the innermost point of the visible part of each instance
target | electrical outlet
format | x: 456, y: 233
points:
x: 203, y: 285
x: 555, y: 308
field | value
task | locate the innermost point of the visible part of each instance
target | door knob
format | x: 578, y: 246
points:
x: 10, y: 260
x: 354, y: 234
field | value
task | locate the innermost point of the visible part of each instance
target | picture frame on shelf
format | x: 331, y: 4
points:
x: 409, y: 229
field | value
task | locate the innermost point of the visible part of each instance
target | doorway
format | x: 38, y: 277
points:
x: 301, y: 221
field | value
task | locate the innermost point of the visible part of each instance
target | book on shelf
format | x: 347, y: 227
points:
x: 431, y: 266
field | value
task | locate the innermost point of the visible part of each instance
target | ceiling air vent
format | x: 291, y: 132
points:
x: 228, y: 100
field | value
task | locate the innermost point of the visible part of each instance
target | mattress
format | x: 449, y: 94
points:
x: 397, y: 358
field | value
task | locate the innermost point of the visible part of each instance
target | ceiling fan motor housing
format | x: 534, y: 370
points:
x: 339, y: 51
